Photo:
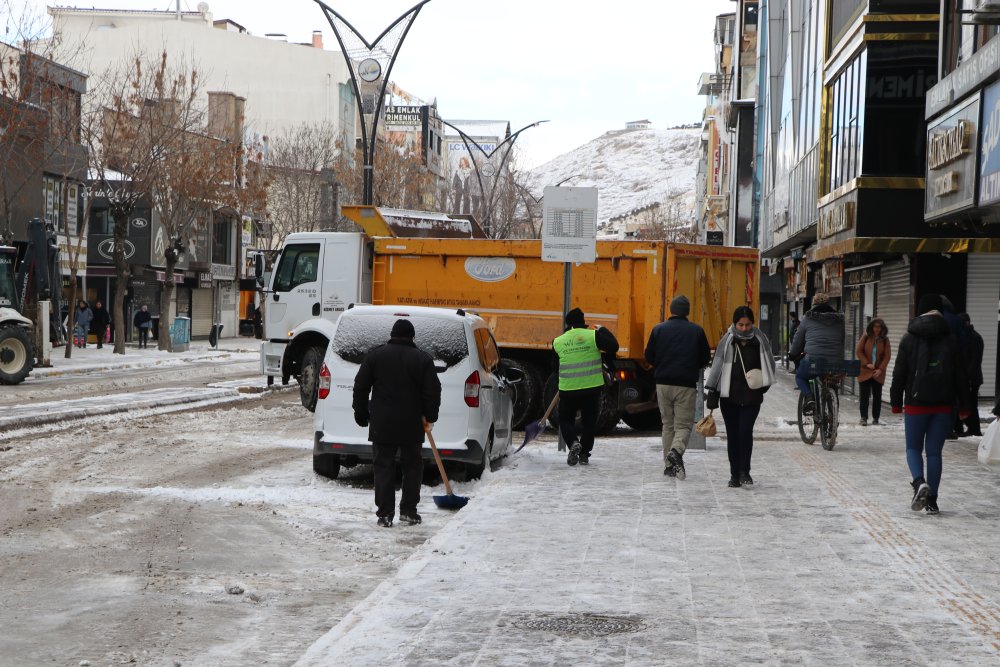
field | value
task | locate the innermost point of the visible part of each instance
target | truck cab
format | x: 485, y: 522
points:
x: 315, y: 278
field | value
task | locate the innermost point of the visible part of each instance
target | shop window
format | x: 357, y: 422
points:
x: 222, y: 241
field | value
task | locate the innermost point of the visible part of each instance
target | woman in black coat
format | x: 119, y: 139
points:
x: 99, y: 323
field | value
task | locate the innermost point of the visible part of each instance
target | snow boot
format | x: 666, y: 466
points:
x: 734, y: 482
x: 746, y: 479
x: 676, y: 461
x: 385, y: 521
x: 574, y: 454
x: 931, y: 507
x: 410, y: 519
x: 920, y: 492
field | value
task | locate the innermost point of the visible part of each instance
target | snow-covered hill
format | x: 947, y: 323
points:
x: 632, y: 169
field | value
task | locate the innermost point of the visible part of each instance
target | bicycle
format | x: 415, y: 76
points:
x: 825, y: 417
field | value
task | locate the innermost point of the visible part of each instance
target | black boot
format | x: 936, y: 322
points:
x: 931, y: 507
x: 920, y: 492
x: 676, y: 461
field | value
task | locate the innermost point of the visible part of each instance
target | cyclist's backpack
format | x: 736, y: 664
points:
x: 932, y: 376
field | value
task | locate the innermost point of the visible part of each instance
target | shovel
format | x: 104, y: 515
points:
x: 532, y: 430
x: 450, y: 501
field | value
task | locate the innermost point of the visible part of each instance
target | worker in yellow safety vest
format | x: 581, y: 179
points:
x: 581, y: 381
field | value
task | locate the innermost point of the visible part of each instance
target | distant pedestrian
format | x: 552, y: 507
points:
x: 873, y: 351
x: 973, y: 348
x: 793, y: 327
x: 678, y: 351
x: 928, y: 381
x: 733, y: 386
x: 81, y: 324
x: 581, y: 382
x: 99, y: 323
x: 398, y: 392
x: 143, y: 321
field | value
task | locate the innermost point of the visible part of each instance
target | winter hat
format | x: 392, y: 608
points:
x: 820, y: 298
x: 574, y: 318
x: 680, y: 306
x: 403, y: 329
x: 929, y: 302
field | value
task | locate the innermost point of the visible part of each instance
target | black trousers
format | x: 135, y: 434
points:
x: 870, y: 389
x: 971, y: 423
x: 412, y: 466
x: 739, y: 420
x: 143, y: 337
x: 586, y: 402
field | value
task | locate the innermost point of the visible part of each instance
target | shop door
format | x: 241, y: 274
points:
x: 893, y: 306
x: 855, y: 327
x: 982, y: 295
x: 201, y: 312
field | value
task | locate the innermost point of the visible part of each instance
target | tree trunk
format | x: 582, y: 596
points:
x: 122, y: 274
x: 166, y: 295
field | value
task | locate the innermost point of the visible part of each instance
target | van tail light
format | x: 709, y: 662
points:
x: 472, y: 390
x: 324, y: 382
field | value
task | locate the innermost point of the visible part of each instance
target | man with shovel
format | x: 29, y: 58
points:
x: 581, y: 381
x: 405, y: 395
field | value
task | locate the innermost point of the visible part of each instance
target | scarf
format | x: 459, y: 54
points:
x: 722, y: 364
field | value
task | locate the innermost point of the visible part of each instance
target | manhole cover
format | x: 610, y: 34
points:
x: 581, y: 625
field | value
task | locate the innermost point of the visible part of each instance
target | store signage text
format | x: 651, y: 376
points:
x: 981, y: 65
x: 836, y: 218
x: 223, y: 272
x: 868, y: 274
x: 949, y: 145
x: 408, y: 116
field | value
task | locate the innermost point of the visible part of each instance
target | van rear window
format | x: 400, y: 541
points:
x: 358, y: 334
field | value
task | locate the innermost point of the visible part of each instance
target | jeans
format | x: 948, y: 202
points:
x: 802, y: 377
x: 676, y: 416
x: 739, y: 420
x: 871, y: 388
x: 80, y: 333
x: 588, y: 403
x: 412, y: 465
x: 926, y: 433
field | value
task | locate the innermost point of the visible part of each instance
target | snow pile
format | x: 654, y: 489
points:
x: 632, y: 169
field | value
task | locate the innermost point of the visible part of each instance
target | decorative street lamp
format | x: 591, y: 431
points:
x: 488, y: 168
x: 370, y: 64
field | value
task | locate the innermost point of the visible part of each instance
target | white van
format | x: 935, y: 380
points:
x: 474, y: 422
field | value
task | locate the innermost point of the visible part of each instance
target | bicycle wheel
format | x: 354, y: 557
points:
x: 808, y: 425
x: 831, y: 418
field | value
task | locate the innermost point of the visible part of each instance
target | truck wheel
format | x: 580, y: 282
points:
x: 326, y: 465
x: 312, y: 360
x: 609, y: 416
x: 644, y: 421
x: 16, y: 354
x: 527, y: 394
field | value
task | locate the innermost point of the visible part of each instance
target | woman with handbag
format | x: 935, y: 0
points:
x: 742, y: 371
x: 873, y: 350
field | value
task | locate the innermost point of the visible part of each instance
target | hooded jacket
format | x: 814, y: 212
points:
x: 929, y: 342
x: 820, y: 335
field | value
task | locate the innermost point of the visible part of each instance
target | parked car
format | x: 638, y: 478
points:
x: 477, y: 392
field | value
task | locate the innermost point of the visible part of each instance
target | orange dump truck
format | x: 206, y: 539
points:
x: 628, y: 290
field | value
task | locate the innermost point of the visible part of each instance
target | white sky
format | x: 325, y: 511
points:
x: 586, y: 67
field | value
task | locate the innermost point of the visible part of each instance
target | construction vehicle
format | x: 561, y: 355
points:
x: 628, y: 289
x: 21, y: 288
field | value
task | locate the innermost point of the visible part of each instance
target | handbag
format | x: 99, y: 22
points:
x: 755, y: 376
x: 706, y: 425
x: 989, y: 446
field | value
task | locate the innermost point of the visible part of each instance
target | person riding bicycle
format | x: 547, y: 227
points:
x: 820, y: 336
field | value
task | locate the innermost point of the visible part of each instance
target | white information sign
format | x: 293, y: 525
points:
x: 569, y: 224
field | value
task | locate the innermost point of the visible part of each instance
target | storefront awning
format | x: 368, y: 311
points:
x: 905, y: 245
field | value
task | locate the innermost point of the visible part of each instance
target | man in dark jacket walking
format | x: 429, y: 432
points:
x: 820, y: 336
x: 678, y: 351
x: 405, y: 396
x: 99, y: 323
x: 972, y: 348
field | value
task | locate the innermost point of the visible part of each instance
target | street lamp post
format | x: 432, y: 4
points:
x: 370, y: 64
x: 508, y: 144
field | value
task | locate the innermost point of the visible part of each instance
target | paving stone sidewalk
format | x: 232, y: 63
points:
x: 821, y: 562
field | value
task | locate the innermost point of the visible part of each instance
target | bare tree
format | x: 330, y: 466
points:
x: 401, y: 179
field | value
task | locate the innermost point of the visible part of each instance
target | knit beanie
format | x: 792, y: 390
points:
x: 680, y: 306
x: 574, y: 318
x: 403, y: 329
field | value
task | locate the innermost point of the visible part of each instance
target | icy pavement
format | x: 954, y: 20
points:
x: 91, y: 360
x: 820, y: 562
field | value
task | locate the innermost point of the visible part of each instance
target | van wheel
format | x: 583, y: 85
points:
x: 312, y: 360
x: 476, y: 470
x: 326, y: 465
x: 527, y: 404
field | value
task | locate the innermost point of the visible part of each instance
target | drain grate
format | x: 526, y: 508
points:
x: 578, y: 625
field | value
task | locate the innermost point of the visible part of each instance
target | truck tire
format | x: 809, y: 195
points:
x: 17, y: 354
x: 326, y: 465
x: 312, y: 360
x: 527, y: 394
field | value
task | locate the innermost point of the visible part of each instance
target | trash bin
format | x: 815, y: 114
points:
x: 214, y: 334
x: 180, y: 334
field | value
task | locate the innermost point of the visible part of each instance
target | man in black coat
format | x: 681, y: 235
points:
x: 405, y: 397
x: 99, y: 323
x: 973, y: 348
x: 678, y: 351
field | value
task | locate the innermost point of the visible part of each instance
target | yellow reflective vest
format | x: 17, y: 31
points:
x: 579, y: 360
